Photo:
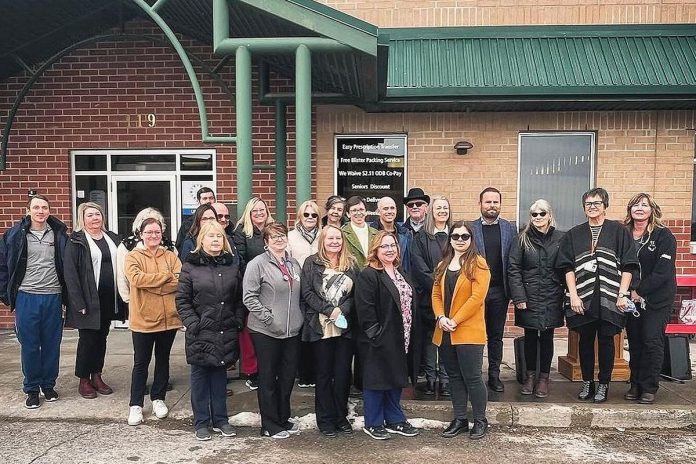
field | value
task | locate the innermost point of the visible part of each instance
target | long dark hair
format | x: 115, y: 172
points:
x: 196, y: 226
x: 468, y: 261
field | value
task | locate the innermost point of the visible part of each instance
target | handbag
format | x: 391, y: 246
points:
x: 687, y: 312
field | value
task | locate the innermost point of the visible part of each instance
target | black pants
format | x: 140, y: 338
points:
x: 332, y: 357
x: 277, y: 363
x: 647, y: 347
x: 143, y: 344
x: 588, y: 333
x: 496, y: 315
x: 306, y: 369
x: 357, y: 366
x: 208, y: 396
x: 544, y: 340
x: 91, y: 350
x: 463, y: 364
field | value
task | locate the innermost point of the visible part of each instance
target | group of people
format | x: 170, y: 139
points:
x: 340, y: 302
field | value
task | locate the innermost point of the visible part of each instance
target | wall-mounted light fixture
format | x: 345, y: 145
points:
x: 462, y: 147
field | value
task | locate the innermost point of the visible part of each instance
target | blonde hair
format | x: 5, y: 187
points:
x: 245, y: 220
x: 303, y: 207
x: 81, y: 215
x: 346, y: 260
x: 372, y: 259
x: 655, y: 220
x: 212, y: 226
x: 145, y: 214
x: 542, y: 205
x: 429, y: 224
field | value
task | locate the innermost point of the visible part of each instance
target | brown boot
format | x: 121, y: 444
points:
x: 86, y: 390
x: 100, y: 385
x: 542, y: 387
x: 528, y: 385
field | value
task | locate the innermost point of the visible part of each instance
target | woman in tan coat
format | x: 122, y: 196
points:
x: 153, y: 273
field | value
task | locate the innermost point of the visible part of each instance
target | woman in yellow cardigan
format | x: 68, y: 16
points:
x: 461, y: 283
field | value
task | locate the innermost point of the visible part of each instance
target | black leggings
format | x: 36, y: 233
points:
x: 588, y: 332
x: 544, y: 339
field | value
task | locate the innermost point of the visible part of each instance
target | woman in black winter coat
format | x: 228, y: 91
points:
x: 328, y: 280
x: 426, y: 252
x: 209, y: 304
x: 537, y: 293
x: 653, y: 292
x: 90, y: 271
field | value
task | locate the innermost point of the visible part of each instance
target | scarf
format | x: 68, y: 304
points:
x: 309, y: 235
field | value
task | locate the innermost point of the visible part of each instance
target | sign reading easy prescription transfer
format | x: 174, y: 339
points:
x: 372, y: 166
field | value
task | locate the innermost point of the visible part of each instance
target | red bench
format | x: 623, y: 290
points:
x: 683, y: 280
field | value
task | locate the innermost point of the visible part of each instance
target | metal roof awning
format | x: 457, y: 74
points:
x: 540, y: 68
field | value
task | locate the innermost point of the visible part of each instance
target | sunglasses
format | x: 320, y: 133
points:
x: 416, y: 204
x: 462, y: 237
x: 541, y: 214
x: 312, y: 215
x: 223, y: 216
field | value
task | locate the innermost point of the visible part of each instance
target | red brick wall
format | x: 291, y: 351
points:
x: 83, y: 101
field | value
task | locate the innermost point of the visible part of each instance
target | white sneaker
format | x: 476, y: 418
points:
x: 160, y: 409
x: 278, y: 436
x: 295, y: 429
x: 135, y: 416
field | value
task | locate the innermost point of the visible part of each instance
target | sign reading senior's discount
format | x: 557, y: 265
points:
x: 372, y: 167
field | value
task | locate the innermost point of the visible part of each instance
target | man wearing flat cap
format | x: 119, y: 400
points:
x: 417, y: 205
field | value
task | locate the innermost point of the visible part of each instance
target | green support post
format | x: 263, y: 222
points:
x: 303, y: 124
x: 281, y: 170
x: 245, y: 158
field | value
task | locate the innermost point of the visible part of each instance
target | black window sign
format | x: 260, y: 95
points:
x: 372, y: 167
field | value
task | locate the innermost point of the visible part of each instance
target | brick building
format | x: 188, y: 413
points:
x: 116, y: 119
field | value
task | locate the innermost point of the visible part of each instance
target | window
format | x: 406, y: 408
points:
x: 558, y: 167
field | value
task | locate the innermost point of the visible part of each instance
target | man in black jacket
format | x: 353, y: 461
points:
x: 31, y: 282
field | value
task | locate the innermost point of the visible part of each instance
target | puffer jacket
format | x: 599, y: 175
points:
x: 273, y: 302
x: 153, y: 284
x: 534, y: 281
x: 209, y: 304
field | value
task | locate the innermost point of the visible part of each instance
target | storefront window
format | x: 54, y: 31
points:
x: 558, y: 167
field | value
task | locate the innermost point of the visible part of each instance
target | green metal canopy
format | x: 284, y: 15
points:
x: 540, y: 67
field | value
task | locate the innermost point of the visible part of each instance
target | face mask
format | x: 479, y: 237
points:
x: 341, y: 322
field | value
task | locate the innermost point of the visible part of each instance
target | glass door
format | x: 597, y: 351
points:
x: 131, y: 194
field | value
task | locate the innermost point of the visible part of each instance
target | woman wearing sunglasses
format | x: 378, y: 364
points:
x: 537, y: 293
x: 653, y: 292
x: 461, y: 282
x: 303, y: 241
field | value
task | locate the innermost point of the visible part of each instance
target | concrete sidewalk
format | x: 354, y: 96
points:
x: 675, y: 406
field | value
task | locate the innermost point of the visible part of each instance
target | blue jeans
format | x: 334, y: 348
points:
x: 382, y: 406
x: 39, y: 326
x: 208, y: 396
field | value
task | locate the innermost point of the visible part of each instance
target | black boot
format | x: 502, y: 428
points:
x: 633, y: 393
x: 479, y: 429
x: 602, y: 393
x: 456, y: 427
x: 429, y: 387
x: 587, y: 391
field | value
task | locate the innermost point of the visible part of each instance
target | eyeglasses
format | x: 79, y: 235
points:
x: 416, y: 204
x: 278, y: 238
x: 462, y: 237
x: 152, y: 232
x: 224, y: 216
x: 207, y: 219
x: 357, y: 211
x: 540, y: 214
x: 312, y: 215
x: 388, y: 246
x: 596, y: 204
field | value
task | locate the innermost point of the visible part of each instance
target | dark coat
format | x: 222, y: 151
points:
x: 534, y: 281
x: 248, y: 248
x: 508, y: 234
x: 656, y: 282
x: 426, y: 253
x: 186, y: 223
x: 82, y: 288
x: 405, y: 236
x: 13, y: 257
x: 208, y: 301
x: 313, y: 303
x: 380, y: 333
